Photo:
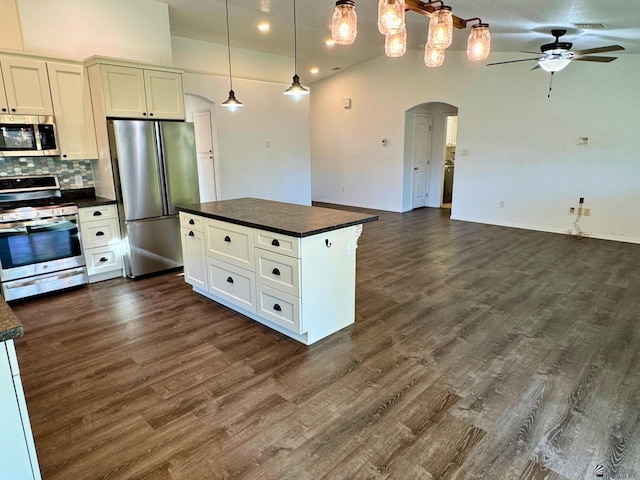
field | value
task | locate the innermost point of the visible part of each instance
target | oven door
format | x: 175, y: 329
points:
x: 35, y: 247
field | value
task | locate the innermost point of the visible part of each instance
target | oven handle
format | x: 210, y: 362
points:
x: 38, y: 222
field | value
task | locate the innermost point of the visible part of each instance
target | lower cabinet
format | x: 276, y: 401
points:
x: 18, y: 458
x: 302, y: 287
x: 101, y: 242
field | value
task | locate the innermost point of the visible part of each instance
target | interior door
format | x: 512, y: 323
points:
x: 204, y: 147
x: 421, y: 154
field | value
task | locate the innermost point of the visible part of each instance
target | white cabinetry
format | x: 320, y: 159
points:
x: 132, y: 92
x: 302, y: 287
x: 25, y: 87
x: 72, y: 108
x: 101, y: 242
x: 18, y: 458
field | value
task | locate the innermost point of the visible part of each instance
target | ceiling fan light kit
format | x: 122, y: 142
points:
x: 344, y: 23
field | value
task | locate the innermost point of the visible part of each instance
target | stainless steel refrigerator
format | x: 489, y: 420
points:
x: 155, y: 169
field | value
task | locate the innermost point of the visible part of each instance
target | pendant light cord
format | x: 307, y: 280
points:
x: 226, y: 4
x: 295, y: 40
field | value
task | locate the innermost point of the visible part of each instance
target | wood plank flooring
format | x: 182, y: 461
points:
x: 478, y: 352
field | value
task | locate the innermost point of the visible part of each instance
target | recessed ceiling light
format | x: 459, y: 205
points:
x: 264, y: 26
x: 314, y: 70
x: 330, y: 42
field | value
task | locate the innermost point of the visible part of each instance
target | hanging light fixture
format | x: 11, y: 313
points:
x: 395, y: 44
x: 479, y: 42
x: 433, y: 56
x: 344, y: 22
x: 231, y: 103
x: 296, y: 90
x: 390, y: 16
x: 441, y: 27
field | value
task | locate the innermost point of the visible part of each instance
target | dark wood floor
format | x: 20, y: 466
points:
x: 479, y: 352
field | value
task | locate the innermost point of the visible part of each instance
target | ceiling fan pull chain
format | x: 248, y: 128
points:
x: 550, y: 83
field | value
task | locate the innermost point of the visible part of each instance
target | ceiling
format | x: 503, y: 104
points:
x: 515, y: 26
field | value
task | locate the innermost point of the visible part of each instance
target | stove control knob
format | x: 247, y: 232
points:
x: 54, y: 211
x: 66, y: 211
x: 15, y: 216
x: 5, y: 218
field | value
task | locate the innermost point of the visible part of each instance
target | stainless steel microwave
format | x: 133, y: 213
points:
x: 28, y: 135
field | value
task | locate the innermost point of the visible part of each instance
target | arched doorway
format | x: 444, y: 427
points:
x: 429, y: 157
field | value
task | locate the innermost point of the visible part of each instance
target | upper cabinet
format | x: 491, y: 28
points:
x: 137, y: 92
x: 25, y: 87
x: 72, y: 109
x: 452, y: 130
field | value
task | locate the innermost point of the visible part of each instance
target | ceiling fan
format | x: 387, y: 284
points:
x: 557, y: 55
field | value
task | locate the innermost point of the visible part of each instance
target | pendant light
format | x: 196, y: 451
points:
x: 390, y: 16
x: 479, y: 42
x: 344, y: 22
x: 395, y: 44
x: 441, y: 27
x: 231, y: 103
x: 296, y: 90
x: 433, y: 56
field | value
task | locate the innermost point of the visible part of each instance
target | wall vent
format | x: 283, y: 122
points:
x: 591, y: 26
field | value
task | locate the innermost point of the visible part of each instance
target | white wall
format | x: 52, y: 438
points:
x: 247, y: 167
x: 77, y: 29
x: 521, y: 145
x: 10, y: 32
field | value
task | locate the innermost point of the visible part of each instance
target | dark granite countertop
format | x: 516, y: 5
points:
x: 93, y: 202
x: 284, y: 218
x: 10, y: 326
x: 85, y: 197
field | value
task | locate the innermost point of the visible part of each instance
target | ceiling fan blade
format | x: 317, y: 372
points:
x: 537, y: 66
x: 512, y: 61
x: 594, y: 59
x: 526, y: 51
x: 608, y: 48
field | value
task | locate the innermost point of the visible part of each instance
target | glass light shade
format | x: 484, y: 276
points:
x: 479, y: 43
x: 553, y: 65
x: 296, y: 90
x: 433, y: 57
x: 232, y: 103
x: 390, y: 16
x: 441, y: 27
x: 395, y: 44
x: 344, y: 23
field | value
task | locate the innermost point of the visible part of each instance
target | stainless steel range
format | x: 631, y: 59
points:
x: 40, y: 244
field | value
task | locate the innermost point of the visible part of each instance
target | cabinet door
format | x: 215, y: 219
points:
x: 14, y: 453
x: 4, y: 105
x: 72, y: 108
x: 193, y: 256
x: 165, y: 99
x: 27, y: 86
x: 123, y: 91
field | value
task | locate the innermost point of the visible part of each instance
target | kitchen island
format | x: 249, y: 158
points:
x: 290, y: 267
x: 17, y: 450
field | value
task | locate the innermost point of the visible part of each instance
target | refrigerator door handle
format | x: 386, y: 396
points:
x: 162, y: 170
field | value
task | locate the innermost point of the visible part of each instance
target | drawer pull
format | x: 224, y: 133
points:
x: 229, y: 280
x: 275, y: 242
x: 227, y: 239
x: 191, y: 234
x: 99, y: 233
x: 192, y: 222
x: 275, y: 271
x: 277, y: 308
x: 97, y: 213
x: 327, y: 243
x: 104, y: 259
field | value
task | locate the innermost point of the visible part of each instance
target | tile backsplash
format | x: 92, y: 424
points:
x: 71, y: 173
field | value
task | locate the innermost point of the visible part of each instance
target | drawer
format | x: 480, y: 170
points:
x: 89, y: 214
x: 192, y: 222
x: 279, y: 308
x: 230, y: 243
x: 278, y: 271
x: 275, y: 242
x: 234, y: 284
x: 100, y: 233
x: 102, y: 259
